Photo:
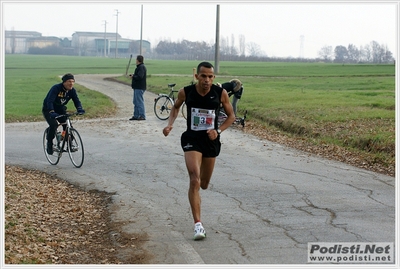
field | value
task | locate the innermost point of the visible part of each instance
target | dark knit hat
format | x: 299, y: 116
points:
x: 67, y: 77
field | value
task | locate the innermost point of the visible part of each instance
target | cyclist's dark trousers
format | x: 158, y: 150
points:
x: 52, y: 125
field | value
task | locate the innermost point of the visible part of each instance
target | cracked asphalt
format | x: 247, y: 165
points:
x: 264, y: 204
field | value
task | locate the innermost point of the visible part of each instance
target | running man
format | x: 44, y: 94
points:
x: 201, y: 140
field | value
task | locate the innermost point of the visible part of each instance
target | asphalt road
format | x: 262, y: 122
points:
x: 265, y: 203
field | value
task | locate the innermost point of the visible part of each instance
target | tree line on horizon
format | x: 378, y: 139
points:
x: 372, y: 52
x: 184, y: 49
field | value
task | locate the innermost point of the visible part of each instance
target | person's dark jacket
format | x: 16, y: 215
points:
x: 228, y: 86
x: 58, y: 97
x: 139, y: 77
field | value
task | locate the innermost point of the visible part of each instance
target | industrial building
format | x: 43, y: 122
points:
x: 80, y: 44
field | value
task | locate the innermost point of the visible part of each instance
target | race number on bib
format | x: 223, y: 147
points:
x: 202, y: 119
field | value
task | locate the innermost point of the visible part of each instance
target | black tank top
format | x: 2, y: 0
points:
x: 211, y: 101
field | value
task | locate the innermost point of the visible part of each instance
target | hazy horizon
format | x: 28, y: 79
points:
x: 281, y: 30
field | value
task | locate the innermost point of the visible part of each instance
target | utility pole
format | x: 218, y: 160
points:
x: 116, y: 35
x: 105, y: 38
x: 141, y: 31
x: 216, y: 64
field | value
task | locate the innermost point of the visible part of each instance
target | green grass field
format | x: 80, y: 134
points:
x: 352, y: 106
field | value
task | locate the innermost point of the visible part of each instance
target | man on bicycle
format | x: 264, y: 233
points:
x: 54, y: 105
x: 233, y: 87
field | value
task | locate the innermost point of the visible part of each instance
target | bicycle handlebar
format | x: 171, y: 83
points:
x: 69, y: 114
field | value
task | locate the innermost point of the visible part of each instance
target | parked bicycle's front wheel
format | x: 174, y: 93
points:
x: 53, y: 158
x: 162, y: 107
x: 75, y: 148
x: 184, y: 110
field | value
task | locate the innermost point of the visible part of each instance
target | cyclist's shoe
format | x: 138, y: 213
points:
x: 199, y: 232
x: 49, y: 148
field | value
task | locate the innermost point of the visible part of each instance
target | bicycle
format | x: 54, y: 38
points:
x: 69, y: 138
x: 164, y: 102
x: 238, y: 120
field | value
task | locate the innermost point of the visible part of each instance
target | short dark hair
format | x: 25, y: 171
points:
x: 204, y: 64
x: 140, y: 58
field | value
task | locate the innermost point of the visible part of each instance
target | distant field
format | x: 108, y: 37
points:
x: 352, y: 106
x: 39, y: 64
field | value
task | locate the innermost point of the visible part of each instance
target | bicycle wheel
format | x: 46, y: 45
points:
x: 55, y: 157
x: 221, y: 118
x: 184, y: 110
x: 162, y: 107
x: 75, y: 148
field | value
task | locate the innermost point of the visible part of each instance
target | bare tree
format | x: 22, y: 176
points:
x: 326, y: 53
x: 380, y: 53
x: 366, y: 53
x: 254, y: 49
x: 353, y: 53
x: 376, y: 52
x: 387, y: 54
x: 224, y: 46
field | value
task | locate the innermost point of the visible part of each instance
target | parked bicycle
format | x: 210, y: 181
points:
x: 164, y: 102
x: 238, y: 120
x: 67, y: 140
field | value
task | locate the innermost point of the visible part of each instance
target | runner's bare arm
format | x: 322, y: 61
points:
x: 174, y: 112
x: 228, y: 110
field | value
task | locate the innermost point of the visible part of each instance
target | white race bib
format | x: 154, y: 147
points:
x: 202, y: 119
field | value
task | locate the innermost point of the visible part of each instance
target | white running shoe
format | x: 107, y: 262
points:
x: 199, y: 232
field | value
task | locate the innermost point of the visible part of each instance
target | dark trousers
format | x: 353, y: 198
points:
x: 53, y: 124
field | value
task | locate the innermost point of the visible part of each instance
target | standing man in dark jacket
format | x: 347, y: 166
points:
x: 139, y: 87
x: 55, y: 104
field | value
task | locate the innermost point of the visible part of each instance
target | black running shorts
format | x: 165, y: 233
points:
x: 209, y: 148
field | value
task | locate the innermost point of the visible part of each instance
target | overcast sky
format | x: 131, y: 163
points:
x: 276, y: 28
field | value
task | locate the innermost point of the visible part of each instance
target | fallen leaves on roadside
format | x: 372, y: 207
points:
x: 49, y: 221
